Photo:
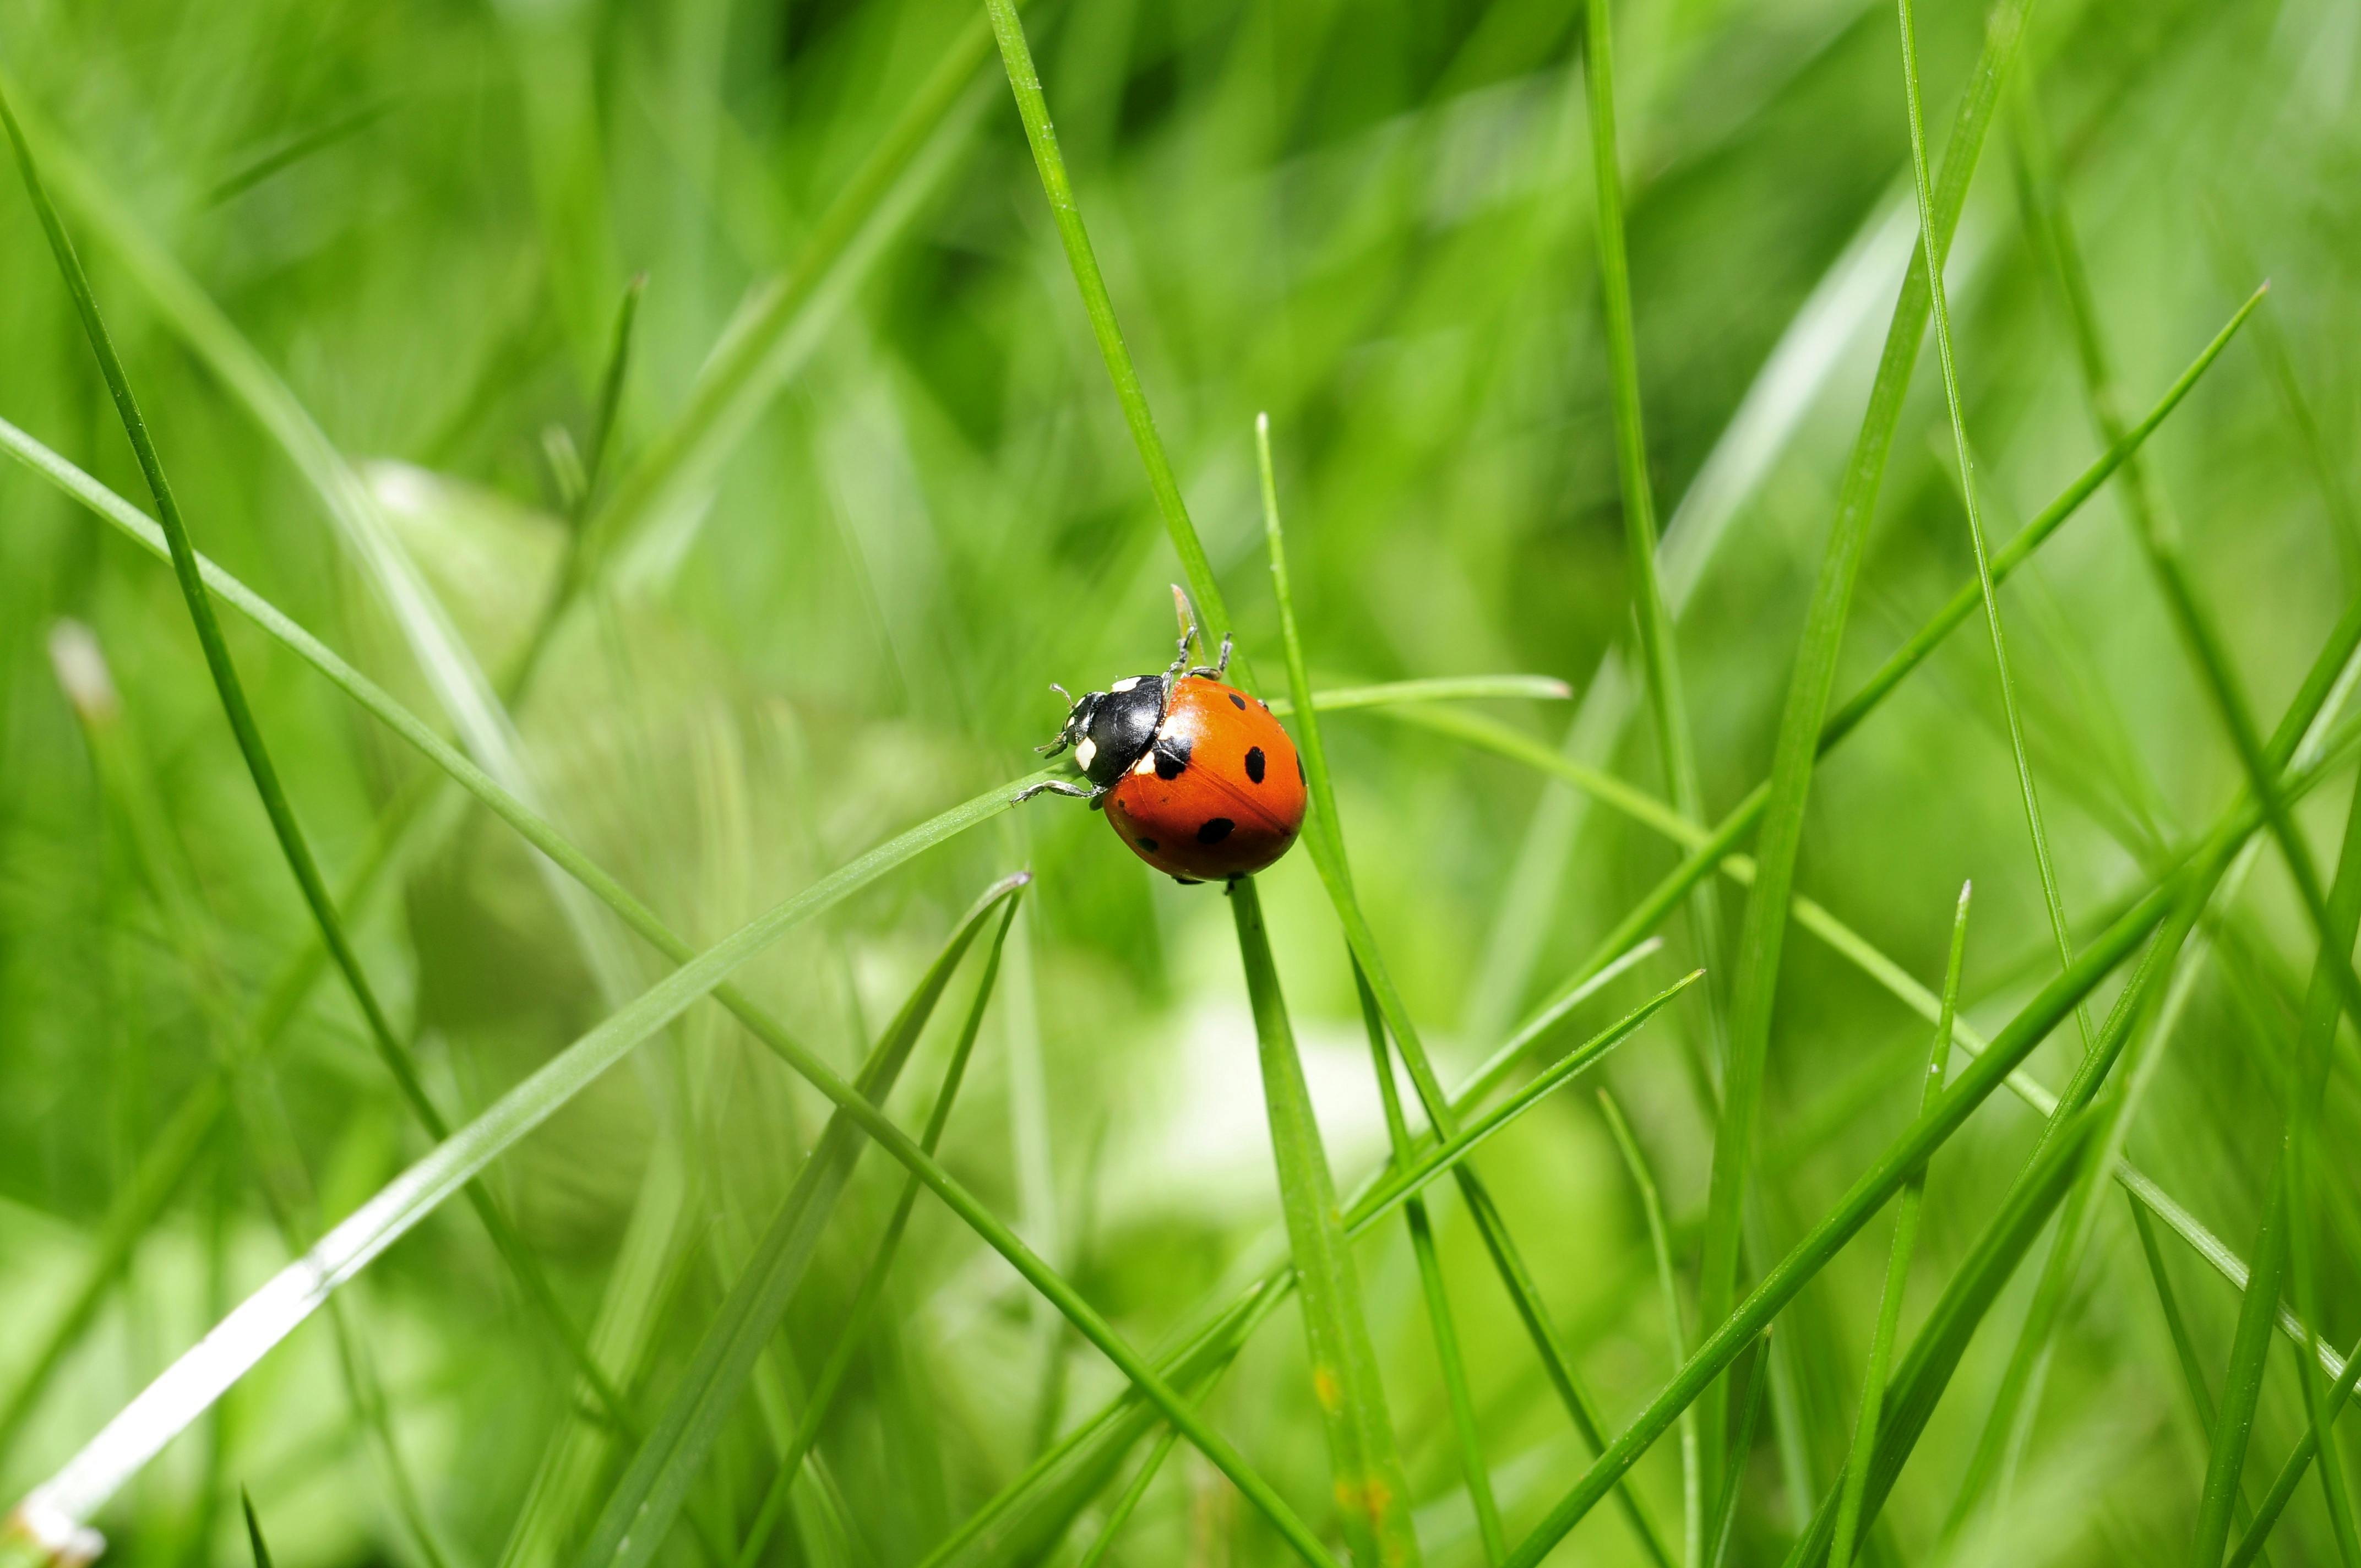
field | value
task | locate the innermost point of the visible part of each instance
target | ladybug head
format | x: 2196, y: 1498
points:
x: 1112, y: 729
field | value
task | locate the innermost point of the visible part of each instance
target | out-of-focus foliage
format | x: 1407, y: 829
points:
x: 1373, y: 221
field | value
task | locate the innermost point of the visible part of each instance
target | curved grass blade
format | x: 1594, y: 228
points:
x: 1762, y: 929
x: 1372, y: 1494
x: 1660, y: 1242
x: 295, y: 848
x: 1436, y: 1290
x: 638, y: 1514
x: 872, y: 1283
x: 1324, y: 839
x: 1897, y: 1267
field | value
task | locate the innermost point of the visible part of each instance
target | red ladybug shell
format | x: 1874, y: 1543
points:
x: 1233, y: 808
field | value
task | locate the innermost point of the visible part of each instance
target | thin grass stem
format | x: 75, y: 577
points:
x: 1660, y: 1242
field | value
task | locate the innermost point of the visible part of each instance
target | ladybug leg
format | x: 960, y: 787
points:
x: 1053, y: 787
x: 1220, y: 666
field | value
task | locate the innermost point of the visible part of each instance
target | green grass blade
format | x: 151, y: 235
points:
x: 1763, y: 931
x: 1741, y: 1442
x: 2283, y: 1486
x: 1847, y: 1532
x: 856, y: 1316
x: 254, y: 1530
x: 1864, y: 1199
x: 1659, y: 647
x: 1128, y: 1503
x: 1373, y: 1501
x: 1660, y: 1242
x: 1465, y: 1427
x: 1323, y: 838
x: 1940, y: 307
x: 293, y: 846
x: 638, y: 1514
x: 1445, y: 688
x: 1033, y: 108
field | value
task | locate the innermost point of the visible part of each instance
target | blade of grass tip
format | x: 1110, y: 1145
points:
x: 568, y: 582
x: 639, y: 1513
x: 1372, y: 1494
x: 1868, y: 1193
x: 1897, y: 1264
x: 1675, y: 1333
x: 100, y: 1471
x: 856, y: 1316
x: 1939, y: 305
x: 1128, y: 1503
x: 1659, y: 647
x: 1464, y: 1424
x: 254, y: 1530
x: 292, y: 844
x: 1033, y: 108
x: 1325, y: 841
x: 1725, y: 1516
x: 1762, y: 929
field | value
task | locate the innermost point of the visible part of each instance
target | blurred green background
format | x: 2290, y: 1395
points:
x: 413, y: 221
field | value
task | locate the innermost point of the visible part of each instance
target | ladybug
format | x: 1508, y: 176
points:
x: 1196, y: 776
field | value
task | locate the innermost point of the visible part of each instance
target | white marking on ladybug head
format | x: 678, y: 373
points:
x: 1085, y: 752
x: 1147, y: 764
x: 1125, y: 685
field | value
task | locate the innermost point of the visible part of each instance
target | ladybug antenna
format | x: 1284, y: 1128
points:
x: 1063, y: 693
x: 1188, y: 616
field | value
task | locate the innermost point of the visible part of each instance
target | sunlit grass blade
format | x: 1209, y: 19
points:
x: 1762, y: 929
x: 1897, y: 1267
x: 1660, y: 1242
x: 1373, y: 1503
x: 638, y: 1514
x: 856, y: 1316
x: 1324, y: 838
x: 192, y: 1383
x: 2292, y: 1473
x: 1474, y: 1471
x: 292, y: 844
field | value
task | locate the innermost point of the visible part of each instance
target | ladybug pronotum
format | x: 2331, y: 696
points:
x: 1197, y: 777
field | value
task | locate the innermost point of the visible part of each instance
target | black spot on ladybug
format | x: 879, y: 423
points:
x: 1172, y: 756
x: 1254, y: 763
x: 1215, y: 829
x: 1149, y: 845
x: 1237, y: 702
